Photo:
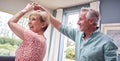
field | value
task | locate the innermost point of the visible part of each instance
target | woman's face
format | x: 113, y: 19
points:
x: 34, y: 23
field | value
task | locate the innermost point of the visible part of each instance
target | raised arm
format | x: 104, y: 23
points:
x: 16, y: 28
x: 54, y: 21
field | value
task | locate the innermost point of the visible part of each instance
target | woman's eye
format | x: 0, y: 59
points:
x: 33, y: 19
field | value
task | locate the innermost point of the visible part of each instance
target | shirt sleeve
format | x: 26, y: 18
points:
x: 68, y: 31
x: 110, y: 52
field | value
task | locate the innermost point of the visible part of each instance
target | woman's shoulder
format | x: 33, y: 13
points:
x: 30, y: 35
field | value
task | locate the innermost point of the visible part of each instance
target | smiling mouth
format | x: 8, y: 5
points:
x: 31, y: 27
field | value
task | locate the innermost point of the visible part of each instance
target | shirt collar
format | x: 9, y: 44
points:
x: 94, y: 33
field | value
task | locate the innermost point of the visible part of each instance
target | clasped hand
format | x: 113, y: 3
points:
x: 33, y: 6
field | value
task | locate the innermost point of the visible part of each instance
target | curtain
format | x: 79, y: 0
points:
x: 53, y: 40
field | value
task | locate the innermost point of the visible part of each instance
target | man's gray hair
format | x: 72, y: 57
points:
x: 91, y: 13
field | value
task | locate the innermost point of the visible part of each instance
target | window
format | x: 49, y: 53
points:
x: 9, y: 42
x: 70, y: 45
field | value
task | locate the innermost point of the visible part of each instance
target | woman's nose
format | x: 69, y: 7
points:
x: 29, y: 22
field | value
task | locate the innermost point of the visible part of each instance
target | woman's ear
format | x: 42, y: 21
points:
x: 43, y: 24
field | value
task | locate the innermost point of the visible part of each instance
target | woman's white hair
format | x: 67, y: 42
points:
x: 91, y: 13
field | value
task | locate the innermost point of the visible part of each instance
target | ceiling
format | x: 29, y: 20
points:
x: 13, y: 6
x: 54, y: 4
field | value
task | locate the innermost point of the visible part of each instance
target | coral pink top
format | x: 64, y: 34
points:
x: 32, y: 48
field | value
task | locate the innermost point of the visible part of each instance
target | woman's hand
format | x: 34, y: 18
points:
x: 28, y: 8
x: 39, y: 7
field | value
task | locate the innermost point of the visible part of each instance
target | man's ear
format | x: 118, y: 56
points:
x: 91, y: 21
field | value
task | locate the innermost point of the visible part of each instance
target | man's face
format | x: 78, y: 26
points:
x: 83, y: 23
